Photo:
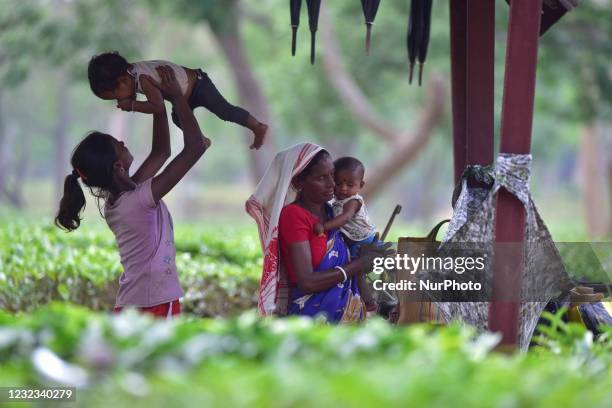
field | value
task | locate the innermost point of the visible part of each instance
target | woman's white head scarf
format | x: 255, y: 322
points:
x: 273, y: 192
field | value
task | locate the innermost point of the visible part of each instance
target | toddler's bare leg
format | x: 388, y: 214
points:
x: 259, y: 130
x: 207, y: 95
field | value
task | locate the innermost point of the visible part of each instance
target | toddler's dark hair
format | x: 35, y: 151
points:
x: 349, y: 163
x: 92, y: 160
x: 104, y: 71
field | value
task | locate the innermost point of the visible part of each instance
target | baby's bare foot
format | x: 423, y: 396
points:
x: 260, y: 135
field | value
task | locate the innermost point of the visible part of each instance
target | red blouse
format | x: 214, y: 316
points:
x: 297, y: 225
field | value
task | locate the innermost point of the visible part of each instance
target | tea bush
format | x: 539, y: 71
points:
x: 131, y: 360
x: 219, y: 269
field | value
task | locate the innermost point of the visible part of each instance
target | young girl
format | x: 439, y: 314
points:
x: 112, y: 77
x: 133, y: 208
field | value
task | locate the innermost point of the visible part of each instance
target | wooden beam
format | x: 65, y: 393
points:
x: 517, y: 118
x: 458, y: 42
x: 480, y: 52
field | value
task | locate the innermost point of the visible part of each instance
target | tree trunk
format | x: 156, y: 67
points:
x: 2, y: 149
x: 608, y: 148
x: 250, y: 94
x: 60, y: 129
x: 609, y: 183
x: 592, y: 183
x: 11, y: 168
x: 405, y: 152
x: 426, y: 198
x: 21, y: 169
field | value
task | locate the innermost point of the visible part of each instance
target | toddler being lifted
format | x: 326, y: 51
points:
x: 112, y: 77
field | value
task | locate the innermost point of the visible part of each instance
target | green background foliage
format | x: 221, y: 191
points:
x: 218, y: 268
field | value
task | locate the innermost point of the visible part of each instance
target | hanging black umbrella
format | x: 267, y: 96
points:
x: 295, y: 6
x: 314, y: 6
x: 424, y: 43
x: 414, y: 32
x: 370, y: 8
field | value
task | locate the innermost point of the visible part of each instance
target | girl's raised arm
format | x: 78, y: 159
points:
x: 195, y: 142
x: 160, y: 149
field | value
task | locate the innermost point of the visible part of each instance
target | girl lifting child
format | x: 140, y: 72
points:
x: 133, y: 208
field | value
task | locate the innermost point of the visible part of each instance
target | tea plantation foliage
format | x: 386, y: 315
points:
x: 55, y: 330
x: 132, y: 360
x: 219, y: 268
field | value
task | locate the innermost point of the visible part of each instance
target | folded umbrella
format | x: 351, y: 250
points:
x: 314, y: 6
x: 414, y: 32
x: 424, y: 38
x: 370, y: 8
x: 295, y: 6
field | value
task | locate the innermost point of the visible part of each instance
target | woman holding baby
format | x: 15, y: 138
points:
x: 306, y: 273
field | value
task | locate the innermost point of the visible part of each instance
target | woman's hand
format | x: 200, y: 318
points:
x: 195, y: 144
x: 375, y: 249
x: 319, y: 230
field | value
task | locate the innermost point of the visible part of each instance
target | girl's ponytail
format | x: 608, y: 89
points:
x: 71, y: 205
x: 92, y: 160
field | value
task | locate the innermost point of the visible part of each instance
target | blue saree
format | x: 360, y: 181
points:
x: 339, y: 304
